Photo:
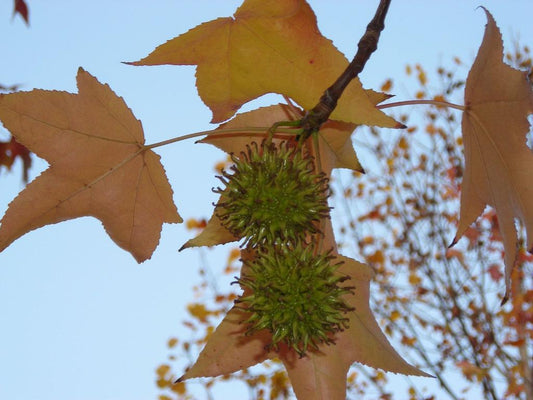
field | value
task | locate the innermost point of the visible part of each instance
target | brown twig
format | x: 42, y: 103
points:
x: 314, y: 118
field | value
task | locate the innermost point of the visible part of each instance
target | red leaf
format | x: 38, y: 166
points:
x: 495, y: 273
x: 21, y: 8
x: 9, y: 151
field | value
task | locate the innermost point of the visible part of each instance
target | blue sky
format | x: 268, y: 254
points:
x: 79, y: 318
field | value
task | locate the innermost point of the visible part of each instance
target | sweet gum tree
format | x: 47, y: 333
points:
x: 441, y: 306
x: 302, y: 301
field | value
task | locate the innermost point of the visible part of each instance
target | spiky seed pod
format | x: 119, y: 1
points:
x: 272, y: 195
x: 294, y: 294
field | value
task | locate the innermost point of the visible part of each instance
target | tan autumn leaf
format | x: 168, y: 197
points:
x: 267, y: 47
x: 98, y: 166
x: 335, y: 144
x: 320, y: 374
x: 498, y: 163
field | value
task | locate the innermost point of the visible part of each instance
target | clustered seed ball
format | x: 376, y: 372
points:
x: 272, y: 195
x: 274, y: 201
x: 295, y: 294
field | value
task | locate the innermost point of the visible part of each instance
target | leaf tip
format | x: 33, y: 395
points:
x: 483, y: 8
x: 399, y: 125
x: 505, y: 298
x: 140, y: 258
x: 82, y: 74
x: 490, y: 18
x: 453, y: 243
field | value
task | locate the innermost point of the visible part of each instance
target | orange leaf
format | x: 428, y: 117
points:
x: 376, y: 258
x: 193, y: 223
x: 387, y: 85
x: 395, y: 315
x: 199, y: 311
x: 267, y: 47
x: 498, y: 163
x: 320, y: 374
x: 414, y: 279
x: 470, y: 371
x: 98, y: 166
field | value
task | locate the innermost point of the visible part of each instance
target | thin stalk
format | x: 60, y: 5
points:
x: 262, y: 130
x: 248, y: 131
x: 417, y: 102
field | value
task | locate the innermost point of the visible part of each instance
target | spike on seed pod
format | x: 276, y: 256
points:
x: 272, y: 194
x: 295, y: 294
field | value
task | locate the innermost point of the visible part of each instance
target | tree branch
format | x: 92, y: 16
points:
x: 314, y: 118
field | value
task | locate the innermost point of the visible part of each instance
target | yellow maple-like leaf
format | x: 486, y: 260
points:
x: 99, y: 166
x: 498, y: 163
x: 335, y: 145
x: 268, y: 46
x: 319, y: 375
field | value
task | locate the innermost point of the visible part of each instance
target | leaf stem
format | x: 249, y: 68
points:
x: 416, y: 102
x: 276, y: 128
x: 246, y: 131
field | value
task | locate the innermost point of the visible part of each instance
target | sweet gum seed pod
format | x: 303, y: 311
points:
x: 272, y: 195
x: 295, y: 294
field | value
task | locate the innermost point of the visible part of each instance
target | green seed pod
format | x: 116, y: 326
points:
x: 272, y: 195
x: 295, y: 294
